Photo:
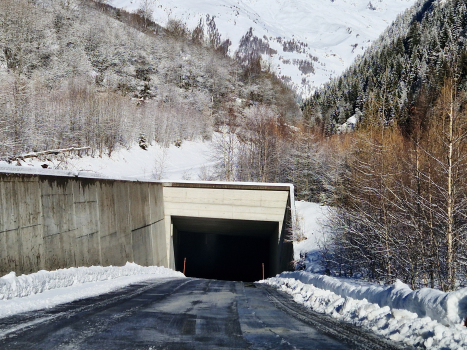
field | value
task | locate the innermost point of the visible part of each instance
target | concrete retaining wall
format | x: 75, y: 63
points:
x: 51, y: 222
x: 60, y: 220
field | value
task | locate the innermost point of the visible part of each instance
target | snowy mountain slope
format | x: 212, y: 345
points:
x: 193, y: 160
x: 314, y: 39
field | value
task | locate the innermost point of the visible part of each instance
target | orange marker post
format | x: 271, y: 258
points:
x: 184, y: 265
x: 263, y: 271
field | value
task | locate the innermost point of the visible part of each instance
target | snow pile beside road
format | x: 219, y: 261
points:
x: 12, y: 286
x: 426, y: 317
x: 446, y: 308
x: 396, y: 324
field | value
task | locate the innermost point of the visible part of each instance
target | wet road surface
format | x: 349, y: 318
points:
x: 184, y: 314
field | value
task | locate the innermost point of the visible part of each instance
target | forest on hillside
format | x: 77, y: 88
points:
x: 403, y: 71
x: 401, y: 203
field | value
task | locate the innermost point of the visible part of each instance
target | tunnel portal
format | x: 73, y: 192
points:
x: 225, y: 249
x: 66, y: 220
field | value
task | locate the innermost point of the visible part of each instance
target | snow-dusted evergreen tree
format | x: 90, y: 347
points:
x: 410, y: 59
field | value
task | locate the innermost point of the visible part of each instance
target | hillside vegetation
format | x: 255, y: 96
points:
x: 402, y: 198
x: 403, y: 72
x: 81, y: 73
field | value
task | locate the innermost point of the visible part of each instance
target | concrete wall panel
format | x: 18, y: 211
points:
x: 86, y: 240
x: 163, y: 257
x: 121, y: 207
x: 110, y: 249
x: 3, y: 250
x: 158, y: 236
x: 142, y: 246
x: 59, y: 223
x: 141, y: 224
x: 10, y: 254
x: 51, y: 222
x: 30, y: 224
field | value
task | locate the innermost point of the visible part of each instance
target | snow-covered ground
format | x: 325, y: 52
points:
x: 45, y: 289
x: 312, y: 218
x: 191, y: 161
x: 333, y: 31
x: 424, y: 318
x: 396, y: 324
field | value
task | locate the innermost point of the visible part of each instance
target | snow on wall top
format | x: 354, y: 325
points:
x: 12, y: 169
x: 333, y: 32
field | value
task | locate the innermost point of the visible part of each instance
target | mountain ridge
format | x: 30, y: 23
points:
x: 311, y: 41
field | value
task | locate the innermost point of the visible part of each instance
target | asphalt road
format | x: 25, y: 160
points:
x: 184, y: 314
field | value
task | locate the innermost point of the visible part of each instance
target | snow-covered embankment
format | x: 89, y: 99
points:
x: 424, y: 318
x: 399, y: 325
x: 46, y: 289
x: 446, y: 308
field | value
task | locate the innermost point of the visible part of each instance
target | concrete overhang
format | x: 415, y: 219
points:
x: 235, y: 201
x: 249, y: 210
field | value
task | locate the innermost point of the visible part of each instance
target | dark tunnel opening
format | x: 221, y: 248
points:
x: 232, y: 250
x: 222, y: 257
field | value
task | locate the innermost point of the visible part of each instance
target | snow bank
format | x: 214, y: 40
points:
x: 396, y: 324
x: 446, y: 308
x: 12, y: 286
x: 427, y: 318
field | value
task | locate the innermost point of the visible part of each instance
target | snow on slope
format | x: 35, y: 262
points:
x: 425, y: 318
x: 191, y: 161
x: 333, y: 31
x: 312, y: 217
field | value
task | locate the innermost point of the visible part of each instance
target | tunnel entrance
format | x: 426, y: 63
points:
x: 225, y: 249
